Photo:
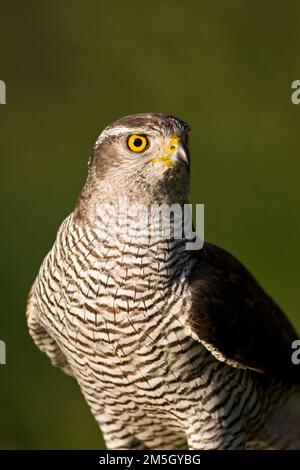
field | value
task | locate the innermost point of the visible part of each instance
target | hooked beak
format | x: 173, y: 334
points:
x: 181, y: 154
x: 176, y: 151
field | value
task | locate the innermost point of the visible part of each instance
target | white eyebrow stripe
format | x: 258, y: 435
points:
x: 114, y: 131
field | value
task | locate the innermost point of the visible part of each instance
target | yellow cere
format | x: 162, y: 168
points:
x: 165, y: 159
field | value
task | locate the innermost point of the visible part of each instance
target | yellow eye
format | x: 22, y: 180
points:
x: 137, y: 143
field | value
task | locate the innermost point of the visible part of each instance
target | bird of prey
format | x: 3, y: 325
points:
x: 172, y: 348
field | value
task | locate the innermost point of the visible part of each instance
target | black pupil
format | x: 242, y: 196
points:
x: 138, y: 142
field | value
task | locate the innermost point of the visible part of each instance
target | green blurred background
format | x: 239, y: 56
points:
x: 70, y: 68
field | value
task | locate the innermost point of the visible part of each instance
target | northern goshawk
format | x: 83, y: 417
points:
x: 172, y: 348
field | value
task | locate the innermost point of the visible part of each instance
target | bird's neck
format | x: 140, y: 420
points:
x: 148, y: 238
x: 128, y: 191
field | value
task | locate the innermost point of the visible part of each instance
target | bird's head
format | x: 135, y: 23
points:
x: 143, y: 157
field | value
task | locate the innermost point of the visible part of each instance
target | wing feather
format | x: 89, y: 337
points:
x: 236, y: 320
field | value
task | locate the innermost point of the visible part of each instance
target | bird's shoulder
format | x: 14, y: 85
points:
x: 236, y: 319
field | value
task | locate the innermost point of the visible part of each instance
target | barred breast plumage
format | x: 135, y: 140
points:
x: 125, y: 317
